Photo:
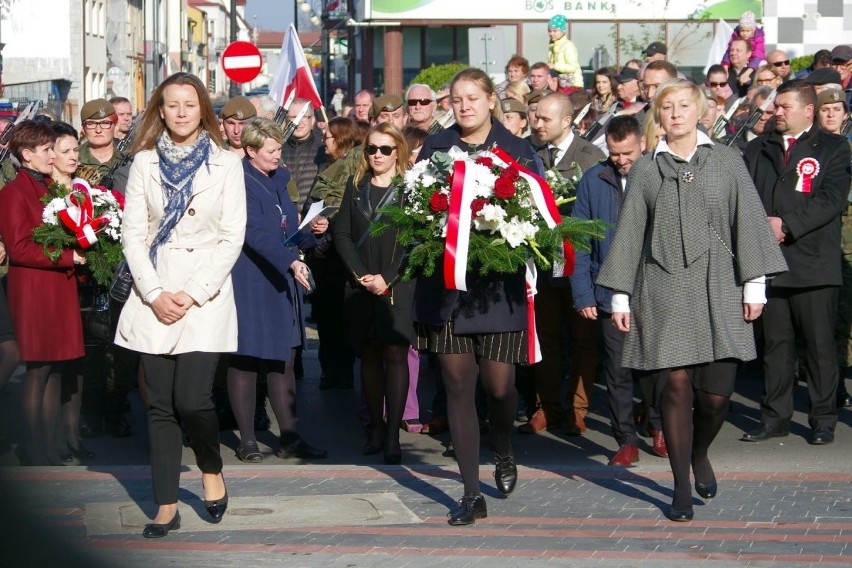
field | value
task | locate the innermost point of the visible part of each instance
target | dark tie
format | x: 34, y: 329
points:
x: 790, y: 142
x: 554, y: 153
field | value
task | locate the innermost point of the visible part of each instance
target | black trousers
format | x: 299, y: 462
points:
x: 180, y: 393
x: 808, y: 314
x: 619, y: 383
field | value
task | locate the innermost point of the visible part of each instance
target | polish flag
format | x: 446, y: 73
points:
x: 293, y: 73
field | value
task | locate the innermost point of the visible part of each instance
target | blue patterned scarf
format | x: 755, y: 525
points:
x: 178, y: 166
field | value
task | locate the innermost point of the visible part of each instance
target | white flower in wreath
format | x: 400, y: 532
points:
x: 516, y: 232
x: 49, y: 216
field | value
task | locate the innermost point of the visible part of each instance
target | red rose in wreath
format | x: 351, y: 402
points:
x: 477, y: 204
x: 439, y: 202
x: 504, y: 188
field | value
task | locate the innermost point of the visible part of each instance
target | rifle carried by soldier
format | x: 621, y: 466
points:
x: 290, y: 127
x: 26, y: 114
x: 281, y: 113
x: 597, y: 127
x: 752, y: 119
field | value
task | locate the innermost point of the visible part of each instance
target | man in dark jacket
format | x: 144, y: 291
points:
x: 599, y: 196
x: 802, y: 175
x: 570, y: 154
x: 303, y: 154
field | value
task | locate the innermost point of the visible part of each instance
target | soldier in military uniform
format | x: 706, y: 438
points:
x: 98, y: 155
x: 235, y: 114
x: 9, y: 166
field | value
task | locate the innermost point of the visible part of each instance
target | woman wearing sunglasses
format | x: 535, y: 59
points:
x: 481, y: 332
x: 378, y: 302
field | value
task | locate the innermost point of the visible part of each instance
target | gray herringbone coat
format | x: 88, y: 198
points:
x: 683, y: 257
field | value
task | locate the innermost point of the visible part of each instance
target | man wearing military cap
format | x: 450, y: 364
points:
x: 98, y: 151
x: 532, y: 99
x: 514, y: 116
x: 236, y: 112
x: 389, y: 108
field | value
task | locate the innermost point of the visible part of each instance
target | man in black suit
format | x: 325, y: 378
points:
x: 802, y: 175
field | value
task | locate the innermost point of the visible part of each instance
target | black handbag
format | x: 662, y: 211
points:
x: 122, y: 283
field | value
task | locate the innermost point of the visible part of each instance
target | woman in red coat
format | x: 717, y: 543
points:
x: 42, y: 294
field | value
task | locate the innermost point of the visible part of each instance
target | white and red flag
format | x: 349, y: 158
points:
x: 293, y: 72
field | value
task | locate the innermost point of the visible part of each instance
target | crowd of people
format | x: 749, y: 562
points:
x: 726, y: 202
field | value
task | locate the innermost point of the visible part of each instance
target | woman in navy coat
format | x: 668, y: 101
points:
x: 269, y: 283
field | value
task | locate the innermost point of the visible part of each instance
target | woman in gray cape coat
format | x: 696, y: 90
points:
x: 687, y: 268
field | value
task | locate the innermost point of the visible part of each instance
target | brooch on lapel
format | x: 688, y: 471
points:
x: 687, y: 177
x: 807, y: 168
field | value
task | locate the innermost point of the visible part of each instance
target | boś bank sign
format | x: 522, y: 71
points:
x: 401, y: 10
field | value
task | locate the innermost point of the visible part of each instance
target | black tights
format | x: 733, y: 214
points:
x: 281, y: 385
x: 41, y: 409
x: 385, y: 376
x: 459, y: 372
x: 691, y: 420
x: 9, y: 356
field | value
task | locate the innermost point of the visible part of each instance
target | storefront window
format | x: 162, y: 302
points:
x: 439, y: 45
x: 633, y: 38
x: 688, y: 45
x: 595, y: 45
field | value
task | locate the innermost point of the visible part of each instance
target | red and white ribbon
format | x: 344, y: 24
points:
x: 533, y: 346
x: 458, y: 228
x: 807, y: 168
x: 78, y: 215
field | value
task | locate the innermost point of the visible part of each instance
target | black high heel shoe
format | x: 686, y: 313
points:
x: 154, y: 530
x: 216, y: 508
x: 680, y: 516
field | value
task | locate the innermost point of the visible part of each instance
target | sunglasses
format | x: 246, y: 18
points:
x: 781, y: 63
x: 371, y: 149
x: 711, y: 84
x: 421, y: 102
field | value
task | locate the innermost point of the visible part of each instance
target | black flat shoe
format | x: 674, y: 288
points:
x: 153, y: 530
x: 81, y: 452
x: 822, y: 435
x: 216, y: 508
x: 300, y: 449
x: 393, y: 459
x: 505, y: 473
x: 471, y: 507
x: 249, y: 452
x: 764, y: 432
x: 680, y: 516
x: 706, y: 491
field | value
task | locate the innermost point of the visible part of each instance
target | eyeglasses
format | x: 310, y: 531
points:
x: 371, y: 149
x: 94, y: 124
x: 647, y: 86
x: 714, y: 85
x: 764, y: 81
x: 421, y: 102
x: 781, y: 63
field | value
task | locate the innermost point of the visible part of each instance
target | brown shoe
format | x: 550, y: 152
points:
x: 578, y: 428
x: 537, y: 424
x: 658, y: 446
x: 627, y: 455
x: 439, y: 425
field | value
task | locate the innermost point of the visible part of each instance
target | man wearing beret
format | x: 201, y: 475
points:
x: 98, y: 151
x: 389, y: 108
x: 236, y: 113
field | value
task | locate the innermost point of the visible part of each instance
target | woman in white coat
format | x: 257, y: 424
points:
x: 183, y: 229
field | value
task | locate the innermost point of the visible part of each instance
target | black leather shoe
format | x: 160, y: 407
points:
x: 249, y: 452
x: 471, y: 507
x: 680, y: 516
x: 505, y: 473
x: 81, y: 452
x: 822, y: 435
x: 216, y: 508
x: 764, y: 432
x: 844, y: 399
x: 300, y: 449
x: 153, y: 530
x: 706, y: 491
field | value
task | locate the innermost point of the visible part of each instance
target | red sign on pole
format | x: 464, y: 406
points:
x: 242, y: 61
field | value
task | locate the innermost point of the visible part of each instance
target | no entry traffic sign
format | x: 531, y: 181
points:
x: 241, y: 61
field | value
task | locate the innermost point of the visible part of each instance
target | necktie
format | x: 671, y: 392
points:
x: 554, y: 154
x: 790, y: 142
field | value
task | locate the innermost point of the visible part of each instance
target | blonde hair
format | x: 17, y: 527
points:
x: 401, y: 150
x: 674, y: 85
x: 258, y: 130
x: 483, y: 81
